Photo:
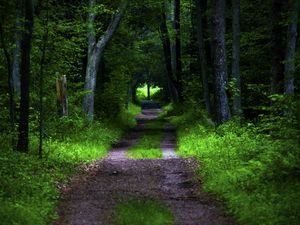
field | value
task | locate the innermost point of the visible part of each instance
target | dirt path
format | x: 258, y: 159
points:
x: 116, y: 179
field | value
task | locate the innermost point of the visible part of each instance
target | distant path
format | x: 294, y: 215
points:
x: 114, y: 179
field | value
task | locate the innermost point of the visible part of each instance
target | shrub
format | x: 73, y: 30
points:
x: 255, y: 171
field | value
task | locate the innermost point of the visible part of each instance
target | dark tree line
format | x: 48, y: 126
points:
x: 166, y: 30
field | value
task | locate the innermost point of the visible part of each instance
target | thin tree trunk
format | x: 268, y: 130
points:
x: 62, y: 96
x: 148, y: 86
x: 96, y: 49
x: 17, y: 53
x: 167, y: 55
x: 178, y: 62
x: 41, y: 88
x: 277, y: 48
x: 289, y: 67
x: 25, y: 77
x: 10, y: 86
x: 237, y: 103
x: 202, y: 56
x: 220, y: 64
x: 148, y: 91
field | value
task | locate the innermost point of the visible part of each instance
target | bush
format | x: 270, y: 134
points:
x: 29, y: 186
x: 254, y: 171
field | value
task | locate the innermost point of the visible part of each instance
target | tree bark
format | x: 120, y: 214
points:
x: 178, y: 61
x: 41, y: 82
x: 277, y: 48
x: 236, y: 77
x: 148, y: 91
x: 10, y: 86
x: 289, y: 67
x: 95, y: 53
x: 148, y: 86
x: 202, y: 56
x: 25, y: 77
x: 17, y: 53
x: 167, y: 55
x: 220, y: 64
x: 62, y: 96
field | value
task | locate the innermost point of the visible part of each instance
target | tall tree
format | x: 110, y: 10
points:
x: 220, y: 64
x: 237, y: 105
x: 178, y: 61
x: 10, y: 84
x: 277, y: 48
x: 95, y: 53
x: 41, y: 82
x: 17, y: 52
x: 289, y: 67
x: 167, y: 55
x: 202, y: 55
x: 25, y: 76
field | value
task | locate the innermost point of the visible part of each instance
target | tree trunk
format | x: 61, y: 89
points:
x: 95, y: 52
x: 25, y: 77
x: 17, y: 53
x: 236, y: 77
x: 62, y: 96
x: 223, y: 113
x: 148, y: 86
x: 289, y: 67
x: 202, y: 56
x: 178, y: 62
x: 148, y: 91
x: 41, y: 86
x: 277, y: 48
x: 10, y: 87
x: 167, y: 55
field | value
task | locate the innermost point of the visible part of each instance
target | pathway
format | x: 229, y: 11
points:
x: 116, y: 179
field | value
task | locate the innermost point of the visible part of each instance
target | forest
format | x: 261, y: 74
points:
x: 178, y: 111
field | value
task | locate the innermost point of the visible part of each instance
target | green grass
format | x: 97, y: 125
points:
x: 148, y: 146
x: 142, y: 212
x: 143, y: 153
x: 134, y: 109
x: 28, y: 187
x: 256, y: 175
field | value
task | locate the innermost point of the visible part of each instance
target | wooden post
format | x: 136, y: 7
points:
x: 62, y: 97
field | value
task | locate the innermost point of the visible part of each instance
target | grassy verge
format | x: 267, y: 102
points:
x: 28, y: 187
x: 148, y: 145
x: 139, y: 211
x: 256, y: 174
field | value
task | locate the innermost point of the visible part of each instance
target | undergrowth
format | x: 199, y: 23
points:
x: 29, y: 186
x: 254, y: 168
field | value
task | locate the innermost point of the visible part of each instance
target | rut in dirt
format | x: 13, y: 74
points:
x: 92, y: 196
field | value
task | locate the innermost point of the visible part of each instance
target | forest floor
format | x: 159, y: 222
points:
x: 90, y: 197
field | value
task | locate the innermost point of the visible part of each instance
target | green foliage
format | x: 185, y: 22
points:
x: 29, y: 186
x: 141, y: 211
x: 134, y: 109
x: 27, y: 190
x: 256, y: 174
x: 142, y: 92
